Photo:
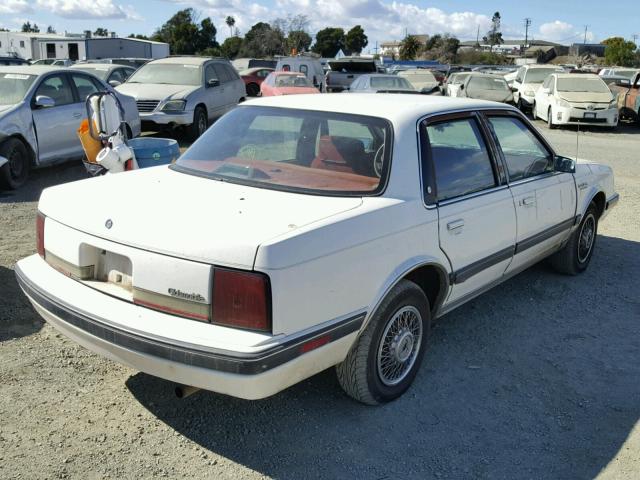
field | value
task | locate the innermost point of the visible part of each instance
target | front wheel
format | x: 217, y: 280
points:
x: 534, y: 111
x: 550, y: 119
x: 574, y: 258
x: 15, y: 172
x: 200, y: 123
x: 384, y: 361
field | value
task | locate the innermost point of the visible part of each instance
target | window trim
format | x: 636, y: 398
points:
x: 46, y: 77
x: 428, y: 173
x: 486, y: 114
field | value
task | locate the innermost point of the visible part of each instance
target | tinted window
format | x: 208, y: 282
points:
x: 84, y: 85
x: 223, y: 75
x: 233, y: 75
x: 304, y: 69
x: 525, y: 155
x: 116, y: 75
x: 56, y: 87
x: 210, y: 73
x: 461, y: 160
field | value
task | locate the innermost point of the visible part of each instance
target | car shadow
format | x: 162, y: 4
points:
x: 536, y: 379
x: 19, y: 319
x: 41, y: 178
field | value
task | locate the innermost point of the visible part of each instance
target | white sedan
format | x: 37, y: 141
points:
x: 575, y: 98
x: 306, y: 232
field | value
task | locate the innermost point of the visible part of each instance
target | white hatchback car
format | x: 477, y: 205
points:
x: 308, y: 231
x: 575, y: 98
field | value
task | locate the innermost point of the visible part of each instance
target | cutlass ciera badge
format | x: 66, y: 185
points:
x: 194, y: 297
x: 108, y: 223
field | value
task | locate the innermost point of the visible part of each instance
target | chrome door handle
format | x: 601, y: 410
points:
x: 528, y: 201
x: 455, y: 224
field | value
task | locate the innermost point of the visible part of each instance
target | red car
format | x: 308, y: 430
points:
x: 286, y: 83
x: 253, y: 78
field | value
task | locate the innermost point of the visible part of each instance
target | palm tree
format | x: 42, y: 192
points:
x: 409, y: 48
x: 230, y: 21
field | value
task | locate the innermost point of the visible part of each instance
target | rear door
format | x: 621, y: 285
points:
x: 545, y: 200
x: 477, y: 224
x: 56, y: 126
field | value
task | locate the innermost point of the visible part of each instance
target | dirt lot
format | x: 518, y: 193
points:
x: 539, y: 378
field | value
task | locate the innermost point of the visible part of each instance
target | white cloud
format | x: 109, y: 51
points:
x: 15, y: 6
x: 81, y: 9
x: 563, y: 32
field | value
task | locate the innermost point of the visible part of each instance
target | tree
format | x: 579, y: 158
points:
x: 409, y: 47
x: 619, y: 51
x: 443, y: 48
x: 185, y: 36
x: 494, y: 36
x: 356, y: 40
x: 138, y: 36
x: 329, y: 42
x: 230, y: 48
x: 28, y: 28
x: 298, y: 40
x: 51, y: 30
x: 101, y: 32
x: 262, y: 41
x: 230, y: 21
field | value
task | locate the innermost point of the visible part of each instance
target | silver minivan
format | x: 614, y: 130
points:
x: 187, y: 92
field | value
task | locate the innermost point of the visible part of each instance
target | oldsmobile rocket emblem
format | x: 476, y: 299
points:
x: 108, y: 223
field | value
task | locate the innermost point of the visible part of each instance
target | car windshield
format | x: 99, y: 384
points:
x: 100, y: 72
x: 168, y: 73
x: 390, y: 83
x: 538, y: 75
x: 297, y: 150
x: 581, y: 84
x: 459, y: 78
x: 419, y: 77
x: 13, y: 87
x: 487, y: 83
x: 625, y: 73
x: 292, y: 81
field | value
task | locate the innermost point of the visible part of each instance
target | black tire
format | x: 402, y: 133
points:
x: 534, y: 111
x: 15, y: 172
x: 574, y: 258
x: 550, y: 123
x: 360, y: 373
x: 520, y: 105
x: 199, y: 125
x: 253, y: 90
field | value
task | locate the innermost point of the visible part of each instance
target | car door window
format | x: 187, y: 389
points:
x: 57, y: 87
x: 223, y: 75
x: 262, y: 73
x: 524, y: 154
x: 84, y: 85
x: 231, y: 73
x: 116, y: 75
x: 210, y: 74
x: 460, y: 157
x: 304, y: 69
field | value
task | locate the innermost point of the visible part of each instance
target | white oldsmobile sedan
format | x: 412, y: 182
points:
x: 575, y: 98
x: 306, y: 232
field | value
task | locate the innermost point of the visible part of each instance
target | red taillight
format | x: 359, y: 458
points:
x: 40, y: 234
x: 241, y: 299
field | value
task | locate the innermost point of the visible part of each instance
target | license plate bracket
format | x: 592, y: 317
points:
x: 590, y: 115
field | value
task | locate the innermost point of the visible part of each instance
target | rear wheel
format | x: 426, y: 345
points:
x: 15, y: 172
x: 574, y: 258
x: 384, y: 361
x: 200, y: 123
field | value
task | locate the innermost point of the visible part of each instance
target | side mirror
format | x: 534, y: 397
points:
x: 42, y: 101
x: 461, y: 87
x: 114, y: 83
x: 564, y: 164
x: 214, y: 82
x: 514, y: 88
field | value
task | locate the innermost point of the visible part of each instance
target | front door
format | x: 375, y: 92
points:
x: 475, y: 208
x: 545, y: 200
x: 56, y: 126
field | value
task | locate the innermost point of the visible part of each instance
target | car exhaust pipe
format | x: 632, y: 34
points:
x: 183, y: 391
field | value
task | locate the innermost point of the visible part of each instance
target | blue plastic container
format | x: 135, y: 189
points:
x: 151, y: 152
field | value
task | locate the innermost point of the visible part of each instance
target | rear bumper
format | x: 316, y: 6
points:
x: 249, y: 375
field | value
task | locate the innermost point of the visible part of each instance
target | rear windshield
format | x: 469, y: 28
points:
x: 297, y: 150
x: 391, y: 82
x: 581, y: 84
x: 168, y: 73
x: 348, y: 67
x: 487, y: 83
x: 292, y: 81
x: 538, y: 75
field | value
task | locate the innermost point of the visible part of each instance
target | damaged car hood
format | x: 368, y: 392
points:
x: 156, y: 91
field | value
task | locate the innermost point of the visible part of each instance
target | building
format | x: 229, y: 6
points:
x: 391, y: 48
x: 35, y: 46
x: 515, y: 47
x: 593, y: 49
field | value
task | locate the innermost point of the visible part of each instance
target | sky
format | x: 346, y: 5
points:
x: 562, y: 21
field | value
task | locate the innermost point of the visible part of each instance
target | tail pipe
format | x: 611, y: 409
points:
x: 183, y: 391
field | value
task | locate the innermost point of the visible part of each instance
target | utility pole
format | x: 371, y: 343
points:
x: 527, y: 24
x: 635, y: 38
x: 478, y: 36
x: 585, y: 34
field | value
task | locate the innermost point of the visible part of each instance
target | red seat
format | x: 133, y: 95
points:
x: 332, y: 157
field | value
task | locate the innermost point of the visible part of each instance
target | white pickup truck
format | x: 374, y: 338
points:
x: 305, y: 232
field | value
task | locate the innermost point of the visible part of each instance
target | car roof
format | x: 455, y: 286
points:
x: 416, y: 71
x: 31, y: 69
x: 285, y: 72
x: 183, y: 60
x: 557, y: 67
x: 395, y: 107
x: 98, y: 66
x: 576, y: 75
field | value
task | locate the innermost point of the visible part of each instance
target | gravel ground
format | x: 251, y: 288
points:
x: 539, y: 378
